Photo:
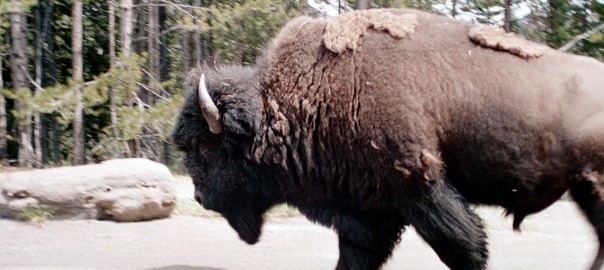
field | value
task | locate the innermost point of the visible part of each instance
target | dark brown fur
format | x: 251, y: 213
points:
x: 344, y: 137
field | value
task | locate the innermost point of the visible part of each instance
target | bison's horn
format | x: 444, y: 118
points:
x: 208, y: 108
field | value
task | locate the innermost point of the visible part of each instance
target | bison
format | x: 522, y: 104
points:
x: 377, y: 120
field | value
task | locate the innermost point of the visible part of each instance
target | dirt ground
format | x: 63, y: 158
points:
x: 558, y: 238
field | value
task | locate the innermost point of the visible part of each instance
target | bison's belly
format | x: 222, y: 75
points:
x: 507, y: 157
x: 521, y: 171
x: 525, y: 182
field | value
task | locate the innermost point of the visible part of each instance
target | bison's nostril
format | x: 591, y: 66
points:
x: 198, y: 196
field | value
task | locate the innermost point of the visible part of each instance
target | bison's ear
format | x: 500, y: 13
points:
x: 241, y: 114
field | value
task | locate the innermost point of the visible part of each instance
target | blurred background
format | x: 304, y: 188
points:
x: 87, y: 81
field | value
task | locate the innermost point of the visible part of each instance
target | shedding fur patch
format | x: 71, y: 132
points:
x: 344, y: 31
x: 497, y: 39
x: 594, y: 178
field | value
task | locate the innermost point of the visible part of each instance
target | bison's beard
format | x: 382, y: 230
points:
x: 248, y: 224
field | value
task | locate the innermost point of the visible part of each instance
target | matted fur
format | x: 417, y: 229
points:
x: 398, y: 132
x: 497, y: 39
x: 343, y: 32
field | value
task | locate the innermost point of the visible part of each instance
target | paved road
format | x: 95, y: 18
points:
x: 557, y: 238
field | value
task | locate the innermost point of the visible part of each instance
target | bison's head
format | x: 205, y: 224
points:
x: 216, y: 129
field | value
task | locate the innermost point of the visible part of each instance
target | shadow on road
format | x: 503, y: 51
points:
x: 184, y: 267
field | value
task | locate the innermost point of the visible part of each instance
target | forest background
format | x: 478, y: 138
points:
x: 85, y: 81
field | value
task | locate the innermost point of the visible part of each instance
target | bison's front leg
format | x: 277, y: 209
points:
x: 365, y: 240
x: 443, y: 220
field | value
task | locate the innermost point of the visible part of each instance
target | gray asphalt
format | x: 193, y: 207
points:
x: 558, y: 238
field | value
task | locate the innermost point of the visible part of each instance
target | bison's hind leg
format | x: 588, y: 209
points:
x: 587, y: 189
x: 444, y: 221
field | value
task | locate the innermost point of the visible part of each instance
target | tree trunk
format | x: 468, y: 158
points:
x: 362, y: 4
x: 153, y: 50
x: 48, y: 38
x: 38, y: 78
x: 186, y: 51
x: 163, y: 45
x: 139, y: 45
x: 197, y: 36
x: 454, y: 9
x: 126, y: 26
x: 154, y: 143
x: 139, y: 26
x: 3, y: 121
x: 76, y: 49
x: 56, y: 139
x: 112, y: 95
x: 208, y: 38
x: 3, y: 130
x: 126, y: 40
x: 18, y: 22
x: 187, y: 55
x: 163, y: 71
x: 51, y: 72
x: 507, y: 18
x: 111, y: 31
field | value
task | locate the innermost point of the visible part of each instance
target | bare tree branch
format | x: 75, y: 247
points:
x: 181, y: 7
x: 580, y: 37
x: 141, y: 105
x: 173, y: 28
x: 67, y: 95
x: 31, y: 80
x: 163, y: 90
x: 150, y: 91
x: 170, y: 3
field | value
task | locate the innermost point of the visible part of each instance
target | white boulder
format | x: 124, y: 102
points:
x: 119, y: 189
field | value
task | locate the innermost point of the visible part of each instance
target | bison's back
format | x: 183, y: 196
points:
x: 500, y: 120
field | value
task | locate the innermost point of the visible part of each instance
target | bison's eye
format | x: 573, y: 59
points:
x: 183, y: 145
x: 188, y: 115
x: 183, y: 148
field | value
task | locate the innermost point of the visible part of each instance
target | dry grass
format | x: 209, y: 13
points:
x: 35, y: 215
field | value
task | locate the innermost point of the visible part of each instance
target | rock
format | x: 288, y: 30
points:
x: 119, y: 189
